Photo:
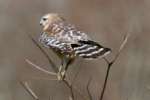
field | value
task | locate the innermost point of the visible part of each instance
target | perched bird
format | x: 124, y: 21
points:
x: 68, y: 42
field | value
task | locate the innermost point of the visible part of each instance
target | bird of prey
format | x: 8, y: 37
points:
x: 68, y: 42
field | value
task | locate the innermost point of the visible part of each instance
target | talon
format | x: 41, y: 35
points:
x: 63, y: 73
x: 59, y: 76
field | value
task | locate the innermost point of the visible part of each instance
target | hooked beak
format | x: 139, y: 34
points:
x: 40, y: 23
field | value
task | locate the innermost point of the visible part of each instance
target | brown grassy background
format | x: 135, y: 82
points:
x: 106, y: 21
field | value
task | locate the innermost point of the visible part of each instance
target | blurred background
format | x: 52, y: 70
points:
x: 106, y: 21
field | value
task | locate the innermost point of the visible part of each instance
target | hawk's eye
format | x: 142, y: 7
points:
x: 44, y: 19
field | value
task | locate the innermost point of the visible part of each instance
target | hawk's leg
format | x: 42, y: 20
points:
x: 59, y: 76
x: 63, y: 68
x: 67, y: 63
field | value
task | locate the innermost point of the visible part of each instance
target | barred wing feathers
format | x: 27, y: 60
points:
x: 54, y: 43
x: 90, y: 49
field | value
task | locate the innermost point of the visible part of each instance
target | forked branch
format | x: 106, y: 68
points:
x: 110, y: 63
x: 70, y: 86
x: 39, y: 68
x: 53, y: 65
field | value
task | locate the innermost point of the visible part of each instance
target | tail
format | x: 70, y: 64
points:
x: 90, y: 50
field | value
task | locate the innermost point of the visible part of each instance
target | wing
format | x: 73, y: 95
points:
x: 54, y: 43
x: 82, y: 45
x: 90, y: 50
x: 68, y: 39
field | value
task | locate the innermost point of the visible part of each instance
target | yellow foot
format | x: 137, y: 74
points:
x: 61, y: 75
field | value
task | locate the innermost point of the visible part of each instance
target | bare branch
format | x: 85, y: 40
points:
x: 71, y: 97
x: 121, y: 47
x: 53, y: 65
x: 88, y: 90
x: 75, y: 77
x: 106, y: 60
x: 105, y: 82
x: 39, y: 68
x: 110, y: 63
x: 41, y: 78
x: 73, y: 87
x: 29, y: 90
x: 80, y: 93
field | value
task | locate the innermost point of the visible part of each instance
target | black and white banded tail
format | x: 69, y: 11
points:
x: 90, y: 49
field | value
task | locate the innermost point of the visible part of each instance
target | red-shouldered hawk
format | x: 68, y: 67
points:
x: 66, y: 40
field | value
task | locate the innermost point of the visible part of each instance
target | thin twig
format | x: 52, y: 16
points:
x: 75, y: 77
x: 70, y: 86
x: 39, y: 68
x: 106, y: 60
x: 51, y: 73
x: 110, y: 63
x: 88, y: 90
x: 121, y: 47
x: 105, y: 82
x: 53, y: 65
x: 29, y: 90
x: 80, y: 93
x: 71, y: 89
x: 41, y: 78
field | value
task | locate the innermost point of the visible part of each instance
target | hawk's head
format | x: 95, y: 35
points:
x: 48, y: 19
